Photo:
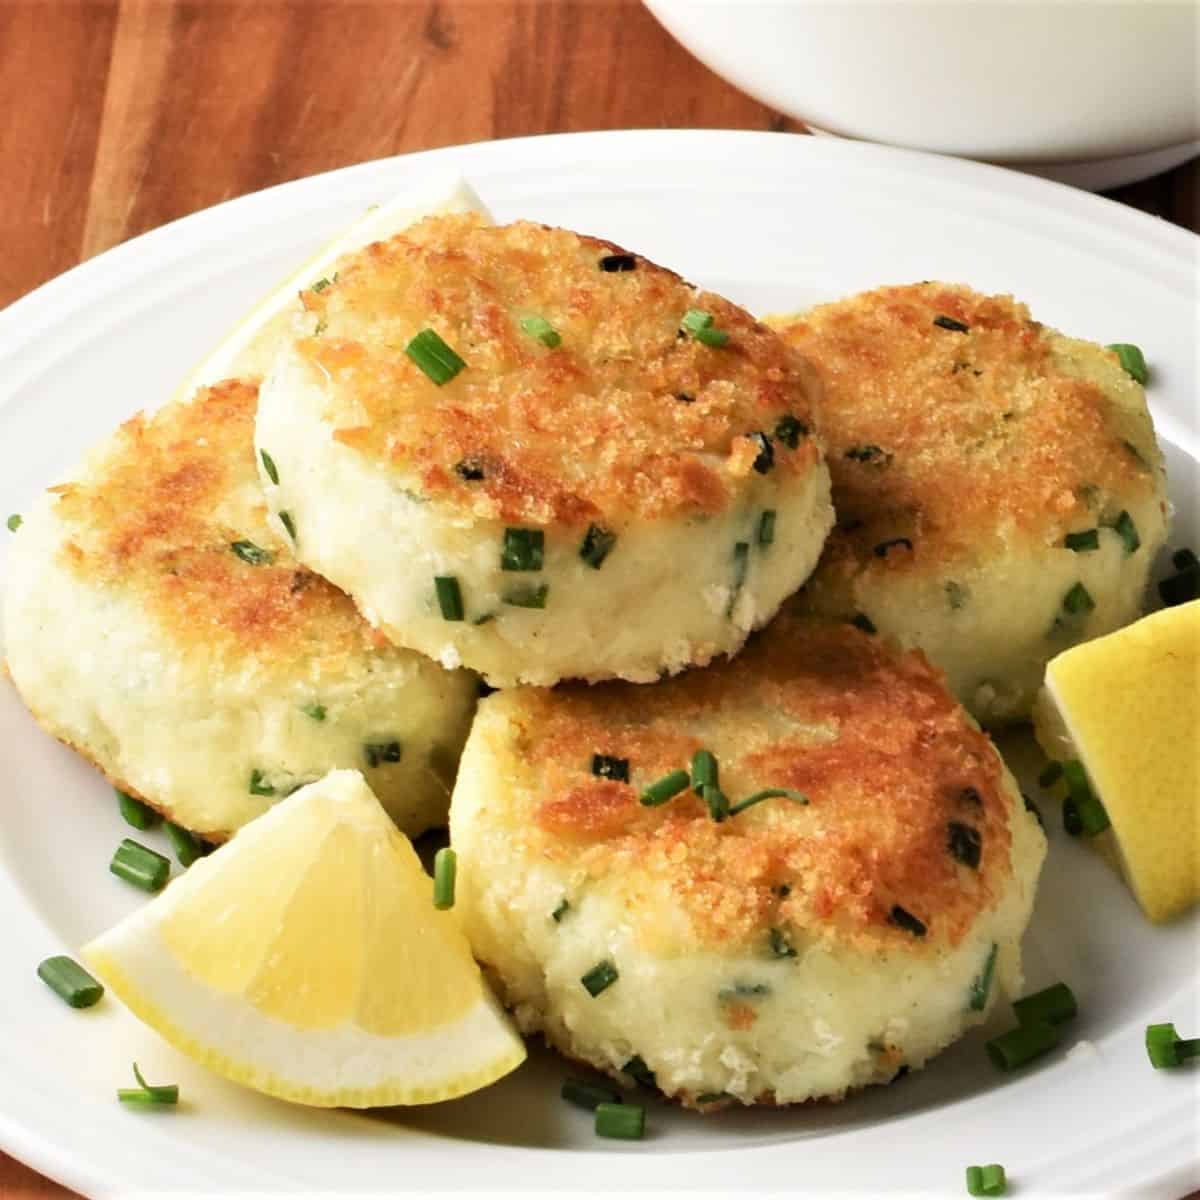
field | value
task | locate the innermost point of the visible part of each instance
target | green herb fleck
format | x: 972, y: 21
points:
x: 316, y: 711
x: 434, y: 357
x: 789, y: 430
x: 449, y: 597
x: 269, y: 466
x: 542, y: 330
x: 1132, y: 360
x: 766, y: 527
x: 1126, y: 530
x: 560, y: 910
x: 259, y: 785
x: 14, y: 522
x: 285, y: 519
x: 523, y: 550
x: 1083, y: 541
x: 981, y: 986
x: 256, y: 556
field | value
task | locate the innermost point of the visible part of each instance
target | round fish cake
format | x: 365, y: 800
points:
x: 999, y: 491
x: 801, y: 946
x: 528, y: 452
x: 158, y: 625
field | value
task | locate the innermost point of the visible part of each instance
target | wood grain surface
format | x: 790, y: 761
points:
x: 120, y: 115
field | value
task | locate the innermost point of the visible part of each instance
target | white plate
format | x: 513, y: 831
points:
x: 775, y: 222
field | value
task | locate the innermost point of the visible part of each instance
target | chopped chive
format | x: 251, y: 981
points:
x: 964, y: 843
x: 881, y: 551
x: 259, y: 785
x: 905, y: 920
x: 1030, y: 807
x: 14, y: 522
x: 247, y: 551
x: 139, y: 865
x: 717, y: 801
x: 137, y: 814
x: 780, y: 946
x: 767, y: 794
x: 704, y: 770
x: 1050, y: 775
x: 445, y: 869
x: 863, y: 622
x: 620, y: 1121
x: 597, y: 543
x: 789, y: 430
x: 1132, y: 360
x: 523, y: 550
x: 1184, y: 558
x: 1078, y: 600
x: 449, y: 597
x: 146, y: 1095
x: 1083, y: 541
x: 986, y: 1181
x: 609, y: 767
x: 957, y: 594
x: 542, y: 330
x: 560, y: 910
x: 641, y: 1074
x: 585, y: 1094
x: 869, y: 454
x: 951, y: 324
x: 316, y: 711
x: 68, y: 979
x: 604, y: 974
x: 527, y: 596
x: 699, y: 324
x: 1054, y: 1004
x: 981, y: 985
x: 434, y: 357
x: 186, y: 845
x: 269, y: 466
x: 665, y: 789
x: 1167, y: 1049
x: 285, y: 519
x: 714, y: 339
x: 765, y: 458
x: 468, y: 470
x: 1181, y: 587
x: 741, y: 566
x: 618, y: 262
x: 378, y: 753
x: 1126, y: 530
x: 1021, y: 1045
x: 1092, y: 817
x: 766, y: 527
x: 320, y: 285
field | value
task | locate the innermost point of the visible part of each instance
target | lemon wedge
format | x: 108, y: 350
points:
x: 249, y: 348
x: 305, y: 959
x: 1127, y: 706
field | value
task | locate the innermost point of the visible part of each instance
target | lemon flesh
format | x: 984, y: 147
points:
x: 1128, y: 707
x: 305, y: 959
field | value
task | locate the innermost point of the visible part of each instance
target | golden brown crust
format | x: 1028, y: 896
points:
x: 960, y: 442
x: 157, y: 518
x: 885, y: 755
x: 594, y: 429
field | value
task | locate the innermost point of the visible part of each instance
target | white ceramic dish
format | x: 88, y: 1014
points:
x: 1092, y: 94
x: 776, y: 222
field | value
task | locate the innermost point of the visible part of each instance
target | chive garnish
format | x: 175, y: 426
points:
x: 542, y: 330
x: 699, y: 324
x: 766, y: 527
x: 767, y: 794
x: 320, y: 285
x: 445, y: 869
x: 527, y: 596
x: 1167, y: 1049
x: 144, y: 1094
x: 1181, y: 587
x: 951, y: 324
x: 585, y: 1094
x: 597, y: 543
x: 186, y: 845
x: 1126, y: 530
x: 905, y: 920
x: 137, y: 814
x: 434, y: 357
x: 1088, y: 809
x: 1021, y: 1045
x: 863, y: 622
x: 641, y: 1074
x: 704, y: 770
x: 316, y: 711
x: 741, y: 566
x: 247, y: 551
x: 604, y: 974
x: 14, y: 522
x: 269, y: 466
x: 789, y: 430
x: 981, y: 985
x: 964, y: 843
x: 986, y: 1181
x: 618, y: 262
x: 67, y: 979
x: 285, y: 519
x: 468, y: 470
x: 609, y: 767
x: 560, y: 910
x: 1053, y: 1005
x: 523, y: 550
x: 1051, y: 774
x: 620, y: 1121
x: 449, y: 597
x: 1132, y: 360
x: 780, y: 946
x: 259, y: 785
x: 765, y: 459
x: 664, y: 789
x: 1078, y: 600
x: 378, y: 753
x: 139, y: 865
x: 717, y: 802
x: 1083, y: 541
x: 881, y: 551
x: 869, y: 454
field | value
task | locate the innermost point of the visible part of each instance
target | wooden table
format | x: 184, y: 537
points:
x: 120, y: 115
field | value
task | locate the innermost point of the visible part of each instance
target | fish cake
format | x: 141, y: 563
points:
x: 802, y: 946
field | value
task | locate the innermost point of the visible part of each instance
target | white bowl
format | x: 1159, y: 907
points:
x: 1106, y: 87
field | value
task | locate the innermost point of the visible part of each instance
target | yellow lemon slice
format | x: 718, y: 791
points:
x: 1127, y: 706
x: 305, y: 959
x: 249, y: 348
